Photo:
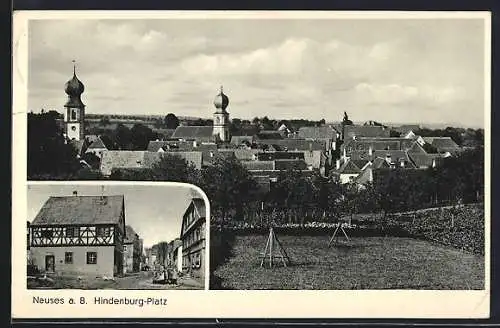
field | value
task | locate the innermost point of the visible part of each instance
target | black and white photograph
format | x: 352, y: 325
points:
x: 125, y: 236
x: 340, y: 154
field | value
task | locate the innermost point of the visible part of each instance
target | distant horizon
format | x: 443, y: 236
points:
x: 392, y: 123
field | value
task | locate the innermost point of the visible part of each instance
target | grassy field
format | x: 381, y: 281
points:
x: 362, y: 263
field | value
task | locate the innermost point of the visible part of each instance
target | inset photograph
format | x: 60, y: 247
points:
x: 116, y: 236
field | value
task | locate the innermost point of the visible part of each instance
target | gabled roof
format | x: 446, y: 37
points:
x: 130, y: 235
x: 349, y: 167
x: 365, y: 131
x: 442, y: 143
x: 193, y: 132
x: 258, y: 165
x: 425, y: 160
x: 78, y: 145
x: 290, y: 164
x: 247, y: 130
x: 321, y: 132
x: 238, y: 140
x: 275, y: 155
x: 121, y: 159
x: 80, y: 210
x: 297, y: 144
x: 97, y: 144
x: 241, y: 154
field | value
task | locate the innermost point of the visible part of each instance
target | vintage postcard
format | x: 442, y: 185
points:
x: 251, y: 164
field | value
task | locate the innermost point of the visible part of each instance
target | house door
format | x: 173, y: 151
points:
x: 49, y: 263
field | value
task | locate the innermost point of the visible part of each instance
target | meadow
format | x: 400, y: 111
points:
x: 360, y: 263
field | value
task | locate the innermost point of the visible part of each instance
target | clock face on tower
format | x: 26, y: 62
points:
x: 73, y: 128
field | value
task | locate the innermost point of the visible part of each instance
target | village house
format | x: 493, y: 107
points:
x: 132, y: 250
x: 174, y: 257
x: 131, y: 159
x: 97, y: 147
x: 79, y: 235
x: 193, y: 239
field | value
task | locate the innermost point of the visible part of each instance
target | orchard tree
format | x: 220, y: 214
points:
x: 49, y: 154
x: 171, y: 121
x: 174, y: 168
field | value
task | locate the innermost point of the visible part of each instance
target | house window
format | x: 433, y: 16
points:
x: 68, y: 258
x: 103, y: 231
x: 72, y: 232
x: 91, y: 257
x: 46, y: 233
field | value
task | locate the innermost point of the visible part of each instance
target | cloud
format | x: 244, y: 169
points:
x: 284, y: 68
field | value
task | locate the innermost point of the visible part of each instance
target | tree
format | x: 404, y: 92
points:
x: 49, y: 154
x: 171, y: 121
x: 228, y: 185
x: 123, y: 137
x: 140, y: 135
x: 174, y: 168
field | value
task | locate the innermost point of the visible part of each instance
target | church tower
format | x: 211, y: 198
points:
x: 74, y: 114
x: 221, y: 116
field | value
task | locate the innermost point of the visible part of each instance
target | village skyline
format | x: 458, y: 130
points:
x: 390, y: 71
x: 154, y: 224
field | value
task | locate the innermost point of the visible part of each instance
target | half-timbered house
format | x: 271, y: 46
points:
x: 193, y: 239
x: 79, y: 235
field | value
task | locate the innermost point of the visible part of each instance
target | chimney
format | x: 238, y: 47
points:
x: 75, y: 193
x: 334, y: 145
x: 433, y: 162
x: 337, y: 164
x: 402, y: 163
x: 370, y: 151
x: 195, y: 144
x: 388, y: 158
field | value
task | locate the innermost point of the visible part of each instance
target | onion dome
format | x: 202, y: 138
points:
x: 74, y: 88
x: 221, y: 100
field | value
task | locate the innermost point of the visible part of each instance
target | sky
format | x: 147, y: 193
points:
x: 394, y: 70
x: 155, y: 212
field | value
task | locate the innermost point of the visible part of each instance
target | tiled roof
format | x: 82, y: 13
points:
x: 80, y: 210
x: 199, y: 205
x: 121, y: 159
x: 130, y: 235
x: 193, y: 132
x: 296, y: 144
x: 289, y: 164
x: 365, y: 131
x: 258, y: 165
x: 78, y: 145
x: 442, y: 144
x: 322, y: 132
x: 241, y: 154
x: 271, y: 156
x: 349, y: 167
x: 424, y: 160
x: 238, y: 140
x: 97, y: 144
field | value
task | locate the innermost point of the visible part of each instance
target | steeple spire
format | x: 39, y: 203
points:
x: 74, y: 67
x: 221, y: 89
